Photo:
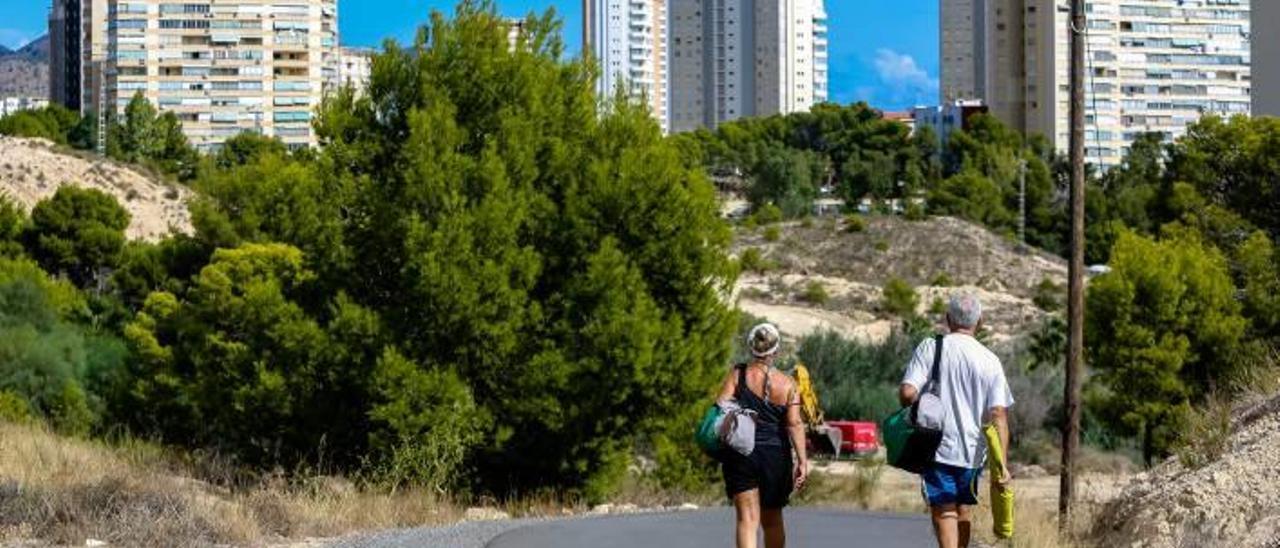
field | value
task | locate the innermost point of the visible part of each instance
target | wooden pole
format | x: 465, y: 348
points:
x: 1075, y: 291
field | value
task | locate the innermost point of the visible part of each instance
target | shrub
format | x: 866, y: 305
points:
x: 915, y: 211
x: 854, y: 224
x: 767, y: 214
x: 772, y: 234
x: 899, y: 299
x: 938, y: 307
x: 77, y: 232
x: 1048, y: 296
x: 855, y: 380
x: 751, y: 260
x: 1207, y: 434
x: 815, y: 293
x: 942, y: 279
x: 882, y: 245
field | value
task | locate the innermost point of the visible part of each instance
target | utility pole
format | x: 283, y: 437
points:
x: 1075, y: 272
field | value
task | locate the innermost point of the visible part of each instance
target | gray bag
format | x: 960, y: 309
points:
x: 737, y: 427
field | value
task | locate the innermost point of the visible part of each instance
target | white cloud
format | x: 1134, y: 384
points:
x: 904, y: 81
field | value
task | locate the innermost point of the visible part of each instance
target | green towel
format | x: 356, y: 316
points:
x: 1001, y: 499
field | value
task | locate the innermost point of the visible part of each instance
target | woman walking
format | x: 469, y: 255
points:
x: 760, y: 485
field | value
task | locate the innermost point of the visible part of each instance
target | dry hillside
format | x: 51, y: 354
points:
x: 33, y: 169
x: 1233, y: 501
x: 852, y: 269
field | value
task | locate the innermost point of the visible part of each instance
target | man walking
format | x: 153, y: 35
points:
x: 974, y: 392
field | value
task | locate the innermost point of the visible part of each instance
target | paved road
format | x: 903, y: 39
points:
x: 806, y: 528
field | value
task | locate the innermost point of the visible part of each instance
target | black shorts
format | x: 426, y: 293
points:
x: 769, y: 469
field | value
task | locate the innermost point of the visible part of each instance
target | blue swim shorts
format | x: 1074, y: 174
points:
x: 946, y: 484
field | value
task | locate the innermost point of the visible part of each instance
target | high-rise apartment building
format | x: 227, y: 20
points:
x: 1153, y: 65
x: 628, y: 38
x: 355, y: 67
x: 77, y: 51
x: 1266, y: 57
x: 736, y: 58
x: 223, y: 66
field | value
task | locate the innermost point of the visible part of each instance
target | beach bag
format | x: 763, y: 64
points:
x: 726, y: 424
x: 912, y: 434
x: 707, y: 436
x: 1001, y: 499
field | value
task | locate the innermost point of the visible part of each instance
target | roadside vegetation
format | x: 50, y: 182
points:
x: 485, y: 286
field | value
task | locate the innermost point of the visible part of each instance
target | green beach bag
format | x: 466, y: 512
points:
x: 707, y: 435
x: 912, y: 434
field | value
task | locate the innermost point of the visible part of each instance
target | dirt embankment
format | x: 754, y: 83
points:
x: 937, y: 256
x: 33, y: 169
x: 1233, y: 501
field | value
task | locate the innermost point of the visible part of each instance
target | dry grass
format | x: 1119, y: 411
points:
x: 64, y: 491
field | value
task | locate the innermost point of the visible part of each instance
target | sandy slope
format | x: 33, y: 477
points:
x: 33, y: 169
x: 853, y: 268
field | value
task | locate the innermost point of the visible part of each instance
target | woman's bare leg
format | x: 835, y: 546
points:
x: 747, y: 505
x: 775, y: 534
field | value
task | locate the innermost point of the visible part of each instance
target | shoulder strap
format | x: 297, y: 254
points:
x: 935, y: 375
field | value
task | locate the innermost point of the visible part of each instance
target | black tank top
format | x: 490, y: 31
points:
x: 769, y: 416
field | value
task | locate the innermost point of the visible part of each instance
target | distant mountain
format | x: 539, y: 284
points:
x: 25, y: 72
x: 36, y: 50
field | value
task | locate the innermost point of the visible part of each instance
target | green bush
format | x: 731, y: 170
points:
x: 942, y: 279
x: 882, y: 246
x: 914, y: 211
x: 77, y: 232
x: 772, y: 234
x: 1164, y: 323
x: 854, y: 224
x: 815, y: 293
x: 855, y: 380
x: 767, y: 214
x: 1048, y: 296
x: 752, y: 260
x: 57, y: 368
x: 460, y: 231
x: 12, y: 222
x: 14, y: 407
x: 54, y: 123
x: 938, y: 307
x: 899, y: 298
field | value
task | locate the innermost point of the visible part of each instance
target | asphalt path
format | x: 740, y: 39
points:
x: 806, y: 528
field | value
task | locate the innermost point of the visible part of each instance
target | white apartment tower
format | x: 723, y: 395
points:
x: 225, y: 66
x: 1152, y: 65
x: 628, y: 38
x: 1266, y: 56
x: 736, y: 58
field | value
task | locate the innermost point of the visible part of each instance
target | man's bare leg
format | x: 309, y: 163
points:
x: 747, y: 506
x: 946, y: 526
x: 964, y: 524
x: 775, y: 533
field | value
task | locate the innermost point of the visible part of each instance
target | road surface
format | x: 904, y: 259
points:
x: 807, y: 528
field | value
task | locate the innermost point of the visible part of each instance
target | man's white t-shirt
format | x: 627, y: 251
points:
x: 972, y: 383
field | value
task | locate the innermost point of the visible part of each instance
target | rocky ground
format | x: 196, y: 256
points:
x: 33, y: 169
x: 1232, y: 501
x: 937, y: 256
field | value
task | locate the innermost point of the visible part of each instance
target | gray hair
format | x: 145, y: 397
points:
x: 965, y: 310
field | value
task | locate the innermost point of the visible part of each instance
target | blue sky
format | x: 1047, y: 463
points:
x: 884, y: 52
